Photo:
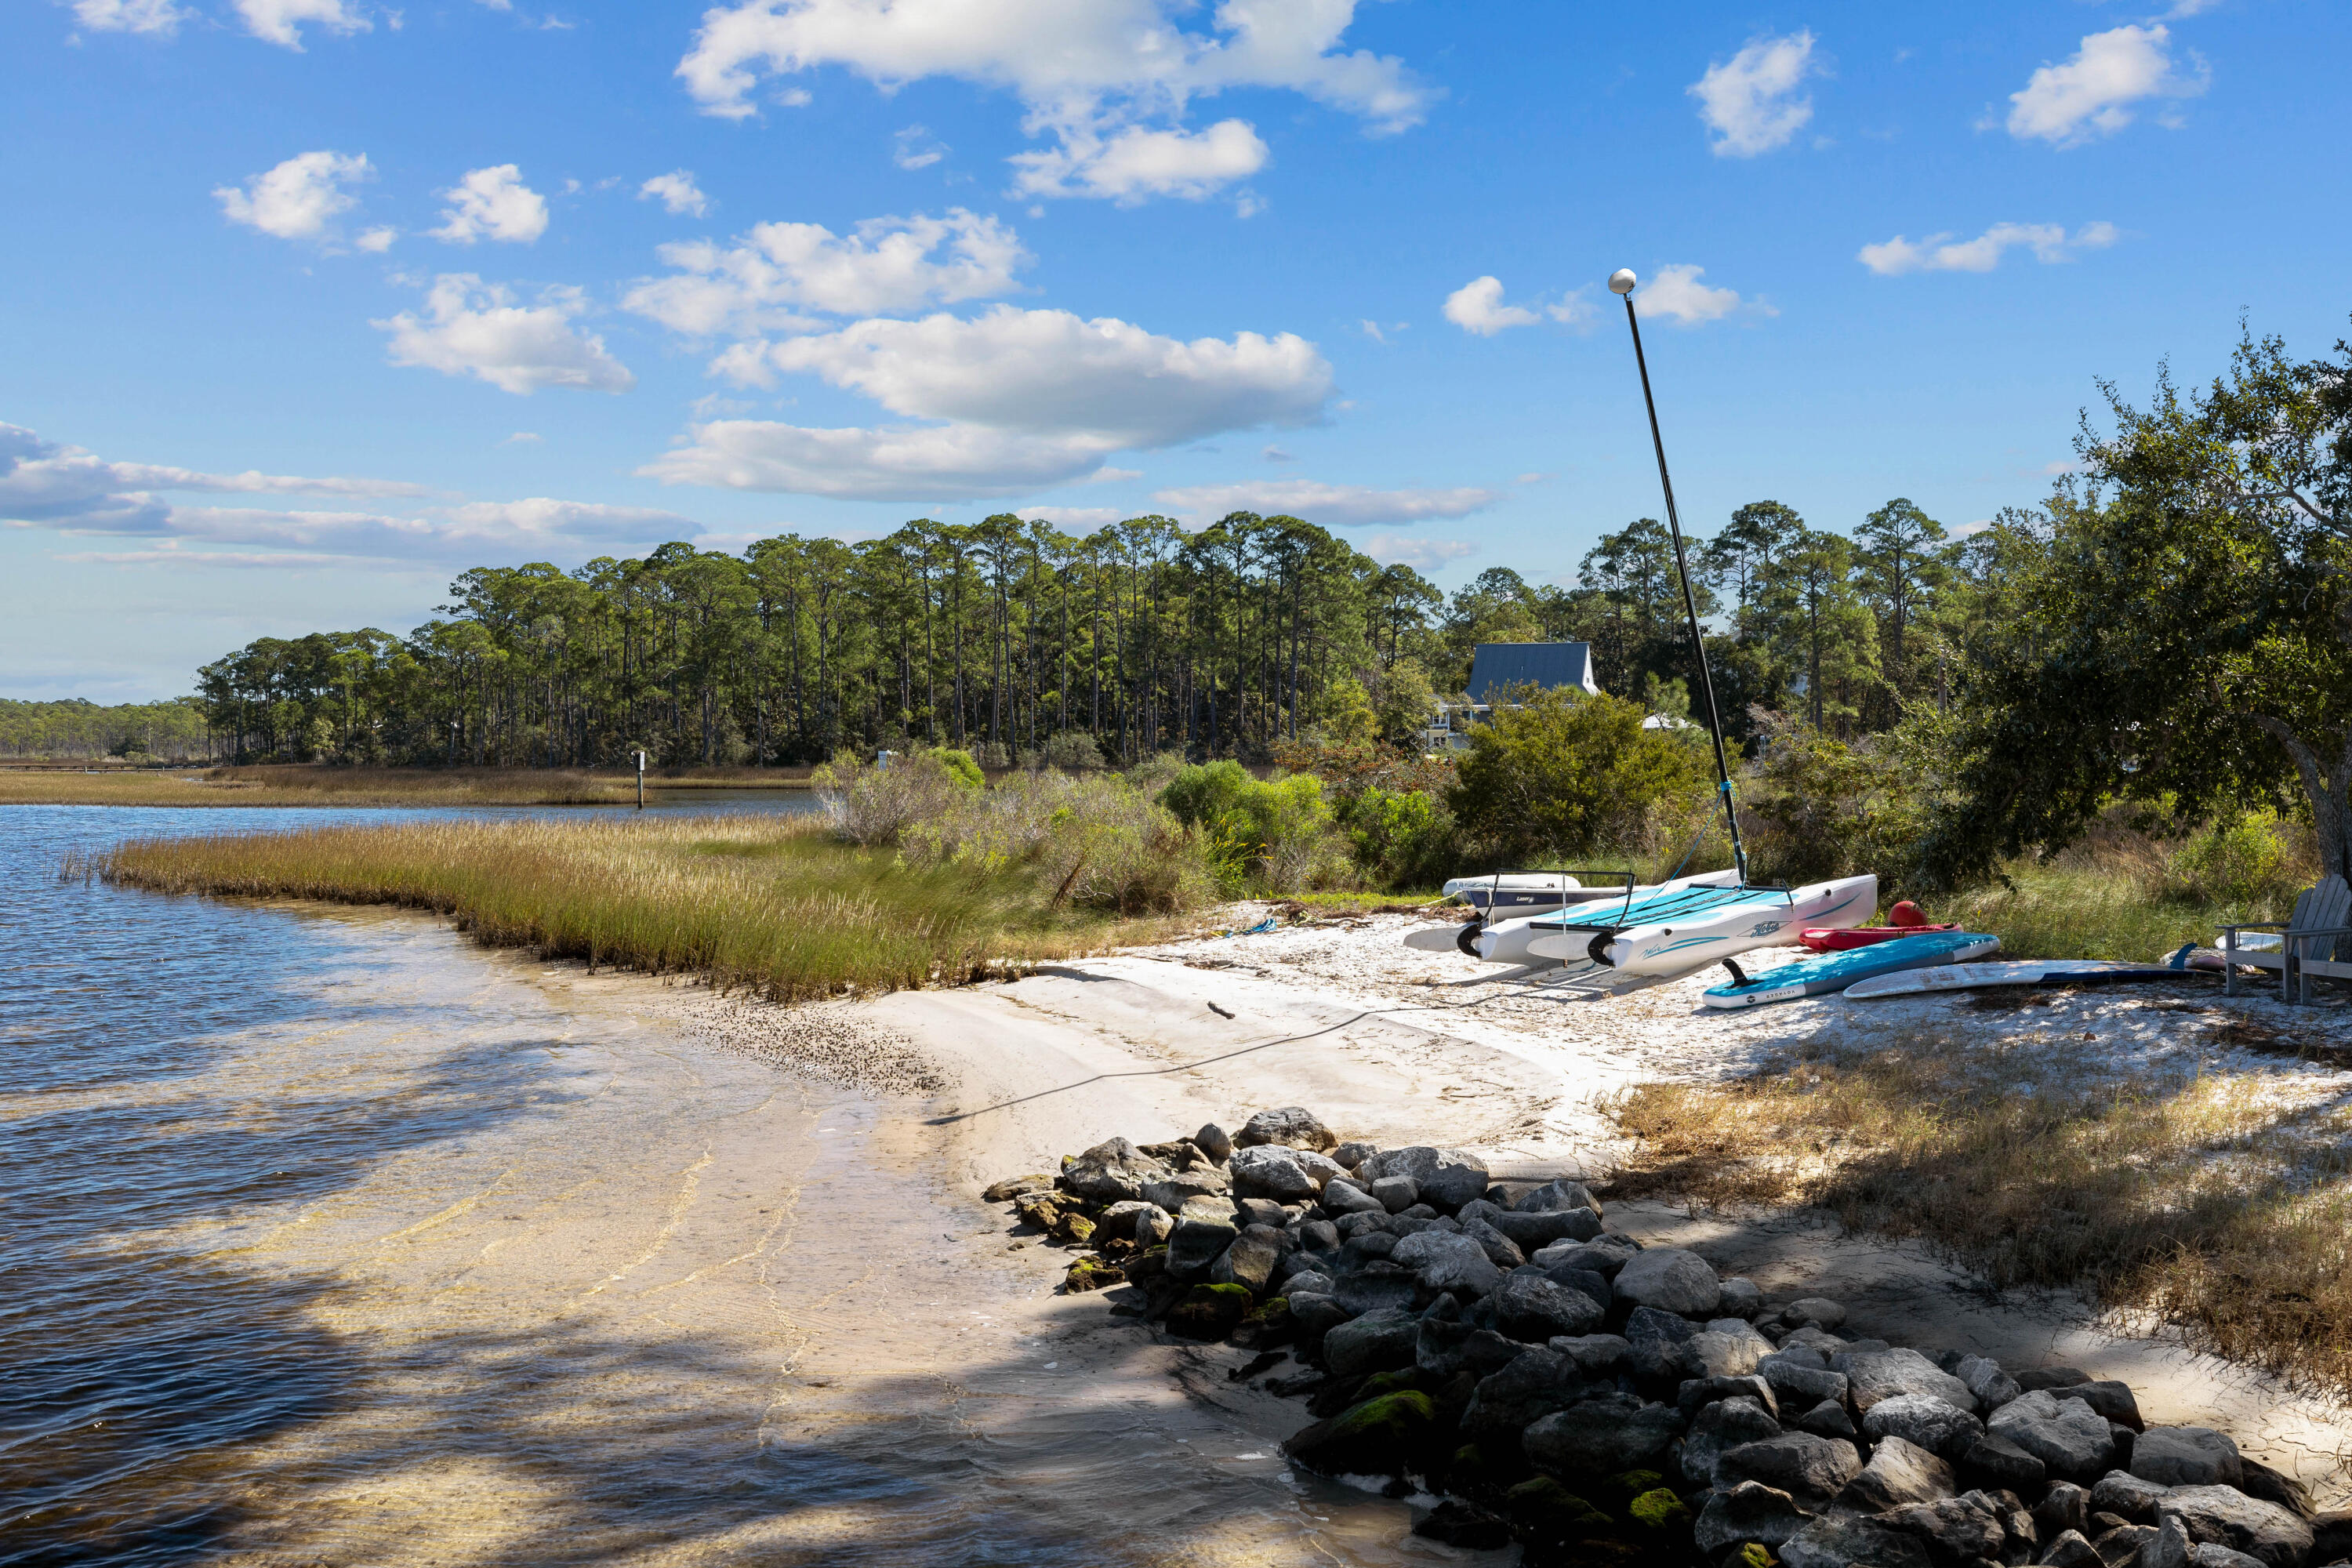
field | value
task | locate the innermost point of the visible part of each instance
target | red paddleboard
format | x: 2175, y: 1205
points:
x: 1842, y: 939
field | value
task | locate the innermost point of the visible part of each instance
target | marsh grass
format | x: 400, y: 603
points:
x: 782, y: 909
x: 322, y: 786
x: 2218, y: 1203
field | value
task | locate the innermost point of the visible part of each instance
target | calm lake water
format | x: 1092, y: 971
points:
x: 329, y: 1238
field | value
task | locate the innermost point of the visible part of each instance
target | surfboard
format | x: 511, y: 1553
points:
x: 2021, y: 971
x: 1836, y: 971
x: 1682, y: 927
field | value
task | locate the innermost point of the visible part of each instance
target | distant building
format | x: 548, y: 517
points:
x: 1499, y: 666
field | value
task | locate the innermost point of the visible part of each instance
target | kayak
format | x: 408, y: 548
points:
x: 1512, y: 940
x: 1844, y: 939
x: 1521, y: 902
x: 1681, y: 928
x: 1836, y: 971
x: 2021, y: 971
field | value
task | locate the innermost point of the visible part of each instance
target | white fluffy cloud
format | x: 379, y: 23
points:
x: 1478, y: 307
x: 1942, y: 253
x: 1019, y: 399
x: 298, y: 198
x: 1751, y: 101
x: 1093, y: 75
x: 470, y: 328
x: 493, y: 203
x: 153, y: 16
x: 2092, y: 94
x: 763, y: 279
x: 1677, y: 294
x: 1049, y: 373
x: 676, y: 191
x: 1133, y: 163
x: 919, y: 463
x: 44, y: 484
x: 280, y: 21
x: 914, y: 147
x: 1421, y: 554
x: 1329, y: 506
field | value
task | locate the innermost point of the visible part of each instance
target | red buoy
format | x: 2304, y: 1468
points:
x: 1907, y: 913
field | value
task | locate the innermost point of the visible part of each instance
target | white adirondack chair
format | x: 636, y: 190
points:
x: 2308, y: 943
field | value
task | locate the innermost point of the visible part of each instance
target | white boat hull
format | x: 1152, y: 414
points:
x: 1513, y: 941
x: 1770, y: 917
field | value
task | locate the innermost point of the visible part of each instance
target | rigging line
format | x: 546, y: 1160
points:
x: 952, y: 1119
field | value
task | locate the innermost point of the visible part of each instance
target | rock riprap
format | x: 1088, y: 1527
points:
x: 1555, y: 1382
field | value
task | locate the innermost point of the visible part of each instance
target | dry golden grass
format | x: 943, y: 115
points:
x: 311, y: 787
x: 2218, y: 1203
x: 776, y: 906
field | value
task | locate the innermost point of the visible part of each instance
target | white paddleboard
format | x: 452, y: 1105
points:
x: 1674, y: 933
x: 2015, y: 972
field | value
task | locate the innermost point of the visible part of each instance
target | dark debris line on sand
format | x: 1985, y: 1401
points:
x: 1554, y: 1382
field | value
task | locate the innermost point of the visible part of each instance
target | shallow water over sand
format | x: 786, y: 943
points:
x: 332, y: 1239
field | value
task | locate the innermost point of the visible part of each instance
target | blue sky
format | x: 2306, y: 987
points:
x: 312, y: 303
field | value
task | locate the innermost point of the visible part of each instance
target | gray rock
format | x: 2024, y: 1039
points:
x: 1112, y: 1170
x: 1346, y: 1197
x: 1827, y: 1420
x: 1350, y: 1226
x: 1873, y: 1376
x: 1698, y: 1393
x: 1318, y: 1236
x: 1925, y: 1421
x: 2171, y: 1549
x: 1717, y: 1429
x: 2071, y: 1550
x: 1195, y: 1244
x: 2066, y: 1434
x: 1443, y: 1261
x: 1671, y: 1280
x: 1354, y: 1153
x: 1956, y: 1530
x: 1290, y: 1125
x: 1810, y: 1468
x: 1560, y: 1194
x: 1899, y: 1472
x: 1118, y: 1220
x: 2111, y: 1399
x: 1817, y: 1339
x: 1749, y: 1511
x: 1213, y: 1142
x: 1445, y: 1178
x: 2124, y: 1544
x: 2268, y: 1485
x: 2064, y: 1506
x: 1377, y: 1341
x: 1657, y: 1341
x: 1505, y: 1403
x: 1596, y: 1356
x: 1316, y: 1314
x: 1533, y: 1231
x: 1365, y: 1248
x: 2224, y: 1516
x: 2125, y: 1495
x: 1603, y: 1256
x: 1309, y: 1282
x: 1992, y: 1387
x: 2211, y: 1554
x: 1995, y: 1459
x: 1448, y: 1348
x: 1795, y: 1381
x: 1530, y: 1307
x: 1173, y: 1190
x: 1270, y: 1171
x: 1260, y: 1210
x: 1377, y: 1285
x: 1741, y: 1297
x: 1151, y: 1225
x: 1248, y: 1263
x: 1819, y: 1311
x: 1395, y: 1194
x: 1500, y: 1249
x: 1725, y: 1348
x: 1602, y: 1437
x: 2187, y: 1457
x: 1843, y: 1542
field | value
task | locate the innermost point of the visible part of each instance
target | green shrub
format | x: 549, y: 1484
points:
x: 875, y: 805
x: 2239, y: 859
x: 960, y: 764
x: 1819, y: 808
x: 1402, y: 839
x: 1557, y: 773
x: 1276, y: 837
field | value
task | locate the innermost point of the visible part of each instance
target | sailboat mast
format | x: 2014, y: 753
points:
x: 1620, y: 282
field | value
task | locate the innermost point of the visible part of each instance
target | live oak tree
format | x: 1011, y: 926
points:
x: 2180, y: 622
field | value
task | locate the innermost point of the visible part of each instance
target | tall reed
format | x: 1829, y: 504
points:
x: 779, y: 908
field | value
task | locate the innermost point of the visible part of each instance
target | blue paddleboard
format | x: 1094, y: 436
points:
x: 1836, y: 971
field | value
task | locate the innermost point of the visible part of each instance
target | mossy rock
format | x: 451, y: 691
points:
x: 1627, y: 1485
x: 1751, y: 1554
x: 1410, y: 1378
x: 1093, y: 1274
x: 1209, y: 1311
x: 1659, y: 1510
x: 1075, y: 1227
x: 1545, y: 1513
x: 1268, y: 1325
x: 1385, y: 1435
x: 1468, y: 1473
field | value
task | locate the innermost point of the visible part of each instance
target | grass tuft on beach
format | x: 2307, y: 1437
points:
x: 2220, y: 1203
x: 782, y: 909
